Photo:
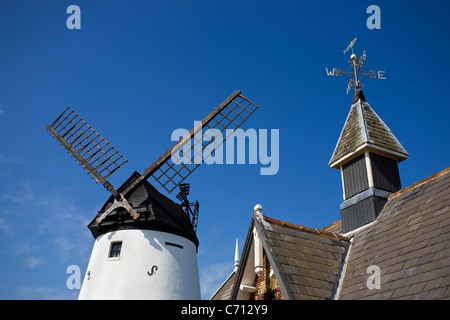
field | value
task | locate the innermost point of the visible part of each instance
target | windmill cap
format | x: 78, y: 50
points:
x: 156, y: 212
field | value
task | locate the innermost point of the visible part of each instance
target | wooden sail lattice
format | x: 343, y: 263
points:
x: 87, y: 146
x: 227, y: 117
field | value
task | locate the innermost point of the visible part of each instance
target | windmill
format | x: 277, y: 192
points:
x: 145, y: 244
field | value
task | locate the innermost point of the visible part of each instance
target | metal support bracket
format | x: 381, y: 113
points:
x: 122, y: 203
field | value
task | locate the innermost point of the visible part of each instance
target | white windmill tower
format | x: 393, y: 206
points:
x: 145, y: 244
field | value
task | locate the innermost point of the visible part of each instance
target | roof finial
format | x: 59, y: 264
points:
x: 355, y: 71
x: 257, y: 210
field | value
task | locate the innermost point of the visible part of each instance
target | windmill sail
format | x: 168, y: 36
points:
x: 100, y: 159
x: 230, y: 114
x: 87, y: 146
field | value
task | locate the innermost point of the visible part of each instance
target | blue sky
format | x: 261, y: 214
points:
x: 138, y: 70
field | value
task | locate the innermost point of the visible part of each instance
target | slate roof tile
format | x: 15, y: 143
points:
x: 309, y: 258
x: 364, y: 126
x: 224, y: 292
x: 409, y: 241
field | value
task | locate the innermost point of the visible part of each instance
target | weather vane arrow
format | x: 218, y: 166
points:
x: 355, y: 71
x: 350, y: 45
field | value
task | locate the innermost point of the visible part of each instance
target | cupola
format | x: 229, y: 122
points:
x: 367, y: 154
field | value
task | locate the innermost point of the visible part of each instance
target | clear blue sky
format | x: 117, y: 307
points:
x: 137, y: 70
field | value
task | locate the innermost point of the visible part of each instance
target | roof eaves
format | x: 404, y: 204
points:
x: 223, y: 285
x: 243, y: 260
x: 273, y: 260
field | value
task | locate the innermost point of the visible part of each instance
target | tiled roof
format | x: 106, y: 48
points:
x: 308, y: 259
x: 322, y: 232
x: 364, y: 127
x: 224, y: 292
x: 335, y: 227
x: 409, y: 242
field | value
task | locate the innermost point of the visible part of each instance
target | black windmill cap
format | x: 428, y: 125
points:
x: 156, y: 212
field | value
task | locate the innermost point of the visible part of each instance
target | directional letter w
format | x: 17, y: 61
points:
x: 330, y: 73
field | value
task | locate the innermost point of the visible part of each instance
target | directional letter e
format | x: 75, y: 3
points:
x: 74, y: 21
x: 374, y: 21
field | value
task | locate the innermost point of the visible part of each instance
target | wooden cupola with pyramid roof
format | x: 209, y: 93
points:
x: 364, y: 130
x: 367, y: 154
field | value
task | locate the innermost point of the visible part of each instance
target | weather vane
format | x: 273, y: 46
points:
x: 355, y: 71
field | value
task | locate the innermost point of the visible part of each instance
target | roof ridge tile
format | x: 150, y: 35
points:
x: 419, y: 183
x: 306, y: 229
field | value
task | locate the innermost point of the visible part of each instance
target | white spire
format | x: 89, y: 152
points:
x: 236, y: 256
